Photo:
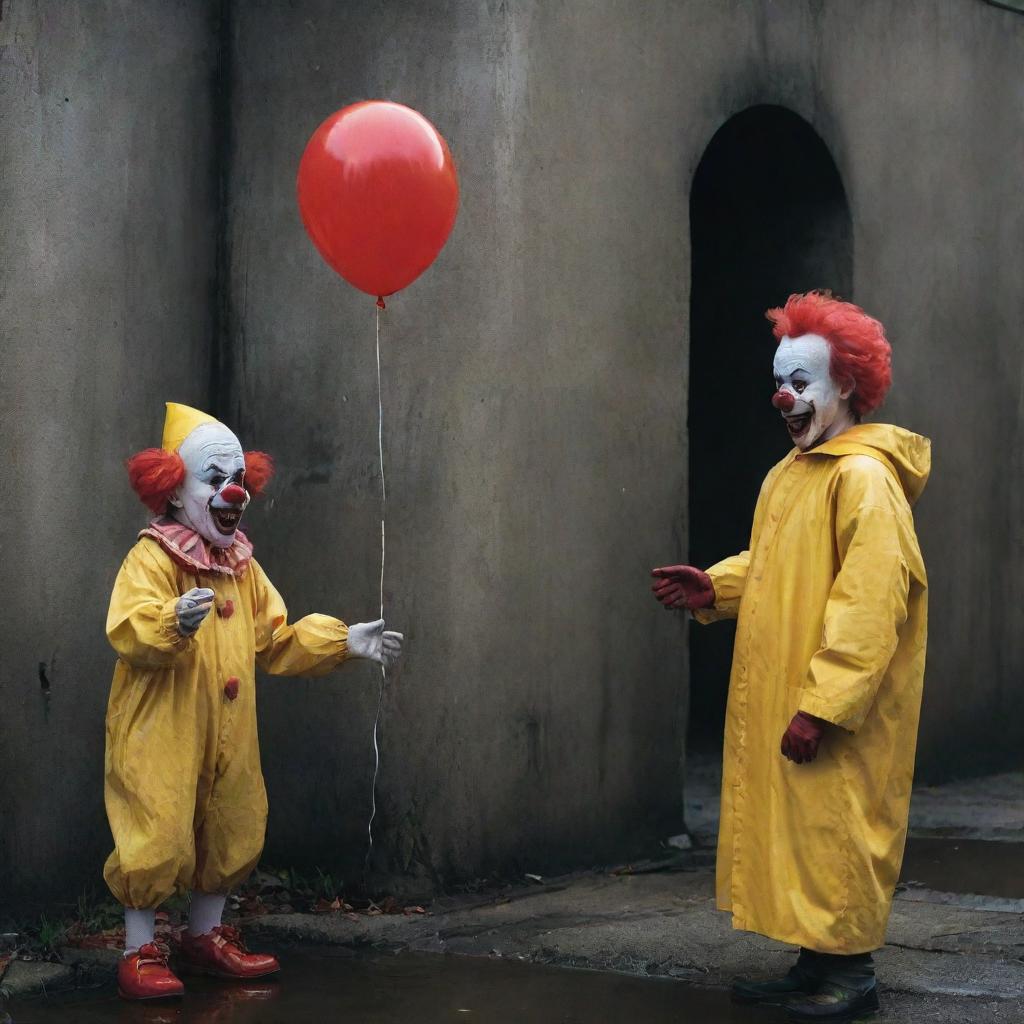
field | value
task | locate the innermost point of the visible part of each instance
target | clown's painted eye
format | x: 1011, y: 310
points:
x: 799, y: 385
x: 217, y: 479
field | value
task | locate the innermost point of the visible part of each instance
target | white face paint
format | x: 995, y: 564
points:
x: 211, y: 499
x: 821, y: 407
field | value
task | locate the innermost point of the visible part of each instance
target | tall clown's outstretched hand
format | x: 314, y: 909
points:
x: 683, y: 586
x: 192, y: 607
x: 371, y: 640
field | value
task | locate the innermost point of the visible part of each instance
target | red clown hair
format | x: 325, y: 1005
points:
x: 155, y: 475
x: 860, y: 351
x: 259, y: 468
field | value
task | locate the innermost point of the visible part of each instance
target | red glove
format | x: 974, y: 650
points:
x: 683, y: 586
x: 800, y: 741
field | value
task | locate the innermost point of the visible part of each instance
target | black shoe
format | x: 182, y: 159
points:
x: 834, y: 1003
x: 798, y: 981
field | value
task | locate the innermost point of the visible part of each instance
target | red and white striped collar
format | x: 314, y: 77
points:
x: 192, y: 552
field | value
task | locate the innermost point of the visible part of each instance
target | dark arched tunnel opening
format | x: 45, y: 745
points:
x: 768, y: 217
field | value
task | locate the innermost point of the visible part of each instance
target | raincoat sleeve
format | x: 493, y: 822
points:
x: 142, y: 624
x: 867, y: 605
x: 313, y: 646
x: 730, y: 579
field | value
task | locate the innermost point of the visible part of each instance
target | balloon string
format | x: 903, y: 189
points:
x: 383, y: 670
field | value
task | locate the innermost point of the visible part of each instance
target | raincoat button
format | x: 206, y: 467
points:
x: 227, y: 609
x: 231, y: 688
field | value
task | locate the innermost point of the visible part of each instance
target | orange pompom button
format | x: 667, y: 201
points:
x: 227, y: 609
x: 231, y: 688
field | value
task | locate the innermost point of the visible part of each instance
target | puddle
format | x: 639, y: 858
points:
x: 325, y: 985
x: 966, y: 866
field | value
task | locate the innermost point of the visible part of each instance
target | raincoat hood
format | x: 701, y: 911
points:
x: 907, y: 455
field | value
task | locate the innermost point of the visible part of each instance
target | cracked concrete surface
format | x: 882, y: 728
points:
x: 990, y: 808
x: 965, y: 962
x: 942, y: 963
x: 950, y: 957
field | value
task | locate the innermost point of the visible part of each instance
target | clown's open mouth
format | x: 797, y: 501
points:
x: 798, y: 425
x: 226, y: 519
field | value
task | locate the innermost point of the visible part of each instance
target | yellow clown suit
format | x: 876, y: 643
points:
x: 191, y: 616
x: 828, y: 666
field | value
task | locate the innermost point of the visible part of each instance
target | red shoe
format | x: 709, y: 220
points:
x: 145, y: 974
x: 222, y: 954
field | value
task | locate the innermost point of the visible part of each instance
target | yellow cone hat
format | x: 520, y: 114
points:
x: 180, y: 421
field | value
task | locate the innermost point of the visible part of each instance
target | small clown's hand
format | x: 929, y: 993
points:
x: 371, y: 640
x: 193, y: 606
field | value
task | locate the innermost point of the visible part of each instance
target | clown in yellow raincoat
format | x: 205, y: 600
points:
x: 828, y: 665
x: 191, y: 616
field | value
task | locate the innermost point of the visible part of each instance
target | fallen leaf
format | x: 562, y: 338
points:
x: 322, y: 906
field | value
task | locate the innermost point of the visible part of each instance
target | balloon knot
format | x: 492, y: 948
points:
x: 380, y: 302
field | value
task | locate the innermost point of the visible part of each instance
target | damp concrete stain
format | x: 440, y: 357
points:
x: 330, y: 984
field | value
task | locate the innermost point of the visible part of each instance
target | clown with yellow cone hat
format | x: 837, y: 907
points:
x: 191, y: 616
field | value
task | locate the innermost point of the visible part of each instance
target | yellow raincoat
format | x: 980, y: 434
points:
x: 832, y: 607
x: 183, y: 786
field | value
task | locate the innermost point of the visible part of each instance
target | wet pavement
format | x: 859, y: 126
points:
x: 599, y: 947
x: 323, y: 985
x: 966, y: 866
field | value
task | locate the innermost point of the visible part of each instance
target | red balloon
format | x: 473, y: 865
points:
x: 378, y: 194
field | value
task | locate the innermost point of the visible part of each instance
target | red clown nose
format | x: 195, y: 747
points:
x: 233, y: 494
x: 783, y: 401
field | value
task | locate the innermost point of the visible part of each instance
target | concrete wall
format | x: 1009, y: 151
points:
x: 107, y: 245
x: 534, y: 468
x: 535, y: 384
x: 535, y: 390
x: 929, y: 137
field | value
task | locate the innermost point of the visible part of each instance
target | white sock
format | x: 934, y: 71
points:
x: 138, y: 929
x: 205, y: 909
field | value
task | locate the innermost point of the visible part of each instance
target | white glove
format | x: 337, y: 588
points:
x: 193, y: 606
x: 371, y: 640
